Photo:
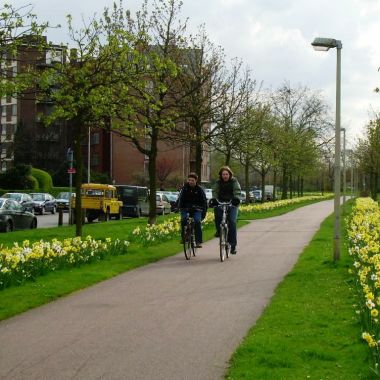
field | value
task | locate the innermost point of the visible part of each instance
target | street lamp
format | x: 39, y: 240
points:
x: 324, y: 44
x: 344, y: 164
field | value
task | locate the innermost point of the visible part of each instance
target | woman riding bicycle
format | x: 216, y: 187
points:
x: 227, y: 189
x: 192, y: 197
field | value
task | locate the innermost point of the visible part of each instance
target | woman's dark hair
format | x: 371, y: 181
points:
x: 225, y: 168
x: 193, y: 175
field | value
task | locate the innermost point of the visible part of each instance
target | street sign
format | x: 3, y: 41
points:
x: 71, y: 170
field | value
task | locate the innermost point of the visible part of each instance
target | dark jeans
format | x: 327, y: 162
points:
x: 231, y: 219
x: 197, y: 215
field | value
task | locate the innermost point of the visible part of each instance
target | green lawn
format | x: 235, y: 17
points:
x: 309, y: 330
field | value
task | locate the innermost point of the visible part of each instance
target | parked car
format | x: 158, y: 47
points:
x: 257, y: 194
x: 43, y: 202
x: 22, y: 198
x: 135, y: 200
x: 99, y: 202
x: 63, y: 200
x: 13, y: 216
x: 243, y: 196
x: 162, y: 203
x: 173, y: 200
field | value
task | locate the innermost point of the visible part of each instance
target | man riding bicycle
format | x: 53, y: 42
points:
x: 227, y: 189
x: 192, y: 197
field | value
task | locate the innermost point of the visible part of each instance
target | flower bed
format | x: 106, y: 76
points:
x: 171, y: 227
x: 364, y: 247
x: 27, y: 261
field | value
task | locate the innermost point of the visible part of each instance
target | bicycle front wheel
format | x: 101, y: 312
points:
x: 222, y: 242
x: 187, y: 243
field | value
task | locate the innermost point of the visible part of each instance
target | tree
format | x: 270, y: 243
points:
x: 81, y: 86
x: 239, y: 92
x: 368, y: 155
x: 147, y: 110
x: 300, y: 113
x: 164, y: 168
x: 19, y: 30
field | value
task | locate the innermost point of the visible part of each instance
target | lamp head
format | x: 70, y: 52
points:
x: 324, y: 44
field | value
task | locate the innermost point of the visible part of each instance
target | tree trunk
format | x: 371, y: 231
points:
x: 152, y: 178
x: 291, y: 185
x: 263, y: 197
x: 274, y: 184
x: 198, y: 159
x: 302, y: 182
x: 246, y: 175
x: 78, y: 127
x: 285, y: 178
x: 228, y: 158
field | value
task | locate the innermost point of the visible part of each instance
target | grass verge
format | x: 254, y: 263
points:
x: 309, y: 330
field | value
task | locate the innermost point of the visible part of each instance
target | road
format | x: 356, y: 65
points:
x: 49, y: 220
x: 174, y: 319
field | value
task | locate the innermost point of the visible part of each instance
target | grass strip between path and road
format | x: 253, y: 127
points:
x: 44, y: 289
x: 310, y: 329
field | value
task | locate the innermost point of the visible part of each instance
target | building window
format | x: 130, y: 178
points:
x: 95, y: 138
x: 94, y: 160
x: 3, y: 110
x: 14, y: 109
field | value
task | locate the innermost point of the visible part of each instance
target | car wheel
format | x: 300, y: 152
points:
x: 33, y: 225
x: 9, y: 226
x: 53, y: 210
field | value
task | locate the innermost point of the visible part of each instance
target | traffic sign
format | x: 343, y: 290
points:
x: 71, y: 170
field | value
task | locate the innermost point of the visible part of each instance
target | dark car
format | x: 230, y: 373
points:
x: 13, y: 216
x: 22, y: 198
x: 173, y: 200
x: 63, y: 200
x: 43, y: 202
x: 135, y: 199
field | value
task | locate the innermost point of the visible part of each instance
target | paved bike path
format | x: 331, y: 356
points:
x: 174, y: 319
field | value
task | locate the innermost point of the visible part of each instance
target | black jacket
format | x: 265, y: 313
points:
x: 192, y: 196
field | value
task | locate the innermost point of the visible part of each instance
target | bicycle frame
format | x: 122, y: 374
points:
x: 189, y: 245
x: 224, y: 246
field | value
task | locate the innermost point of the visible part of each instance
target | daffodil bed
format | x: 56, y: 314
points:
x: 170, y: 228
x: 27, y: 261
x: 364, y: 248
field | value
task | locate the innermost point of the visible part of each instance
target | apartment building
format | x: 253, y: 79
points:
x: 26, y: 140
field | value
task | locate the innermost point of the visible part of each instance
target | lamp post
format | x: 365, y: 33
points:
x: 344, y: 164
x: 324, y: 44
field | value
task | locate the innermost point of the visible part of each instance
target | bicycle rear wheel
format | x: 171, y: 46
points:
x: 187, y: 244
x: 222, y: 242
x: 227, y: 245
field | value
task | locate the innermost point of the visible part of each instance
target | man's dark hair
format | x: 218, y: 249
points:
x: 193, y: 175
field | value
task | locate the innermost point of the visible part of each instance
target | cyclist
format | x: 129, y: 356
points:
x: 227, y: 189
x: 193, y: 196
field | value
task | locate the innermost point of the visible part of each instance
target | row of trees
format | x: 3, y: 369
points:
x: 367, y: 156
x: 144, y: 77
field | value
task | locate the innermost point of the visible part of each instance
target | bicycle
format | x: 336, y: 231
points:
x: 189, y: 244
x: 224, y: 245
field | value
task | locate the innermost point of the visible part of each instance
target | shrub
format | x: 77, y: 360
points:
x: 44, y: 179
x: 17, y: 177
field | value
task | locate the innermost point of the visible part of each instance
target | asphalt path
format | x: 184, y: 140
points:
x: 174, y: 319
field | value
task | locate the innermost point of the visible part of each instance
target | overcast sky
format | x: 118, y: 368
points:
x: 273, y: 38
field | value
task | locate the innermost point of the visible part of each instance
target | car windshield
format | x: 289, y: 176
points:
x: 37, y: 197
x: 63, y: 196
x: 16, y: 197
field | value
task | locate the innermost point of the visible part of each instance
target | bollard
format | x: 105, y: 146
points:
x: 60, y: 217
